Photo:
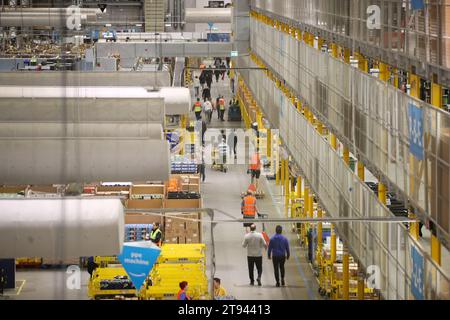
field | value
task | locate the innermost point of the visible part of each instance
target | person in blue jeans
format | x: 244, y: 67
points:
x: 279, y: 252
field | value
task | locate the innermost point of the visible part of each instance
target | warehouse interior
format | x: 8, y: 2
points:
x: 129, y: 131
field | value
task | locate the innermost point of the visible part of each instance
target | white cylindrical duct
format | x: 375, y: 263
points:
x: 205, y: 15
x: 177, y: 100
x: 64, y: 161
x: 10, y: 19
x: 39, y: 130
x: 60, y: 228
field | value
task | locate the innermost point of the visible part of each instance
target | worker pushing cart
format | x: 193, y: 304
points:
x: 219, y: 156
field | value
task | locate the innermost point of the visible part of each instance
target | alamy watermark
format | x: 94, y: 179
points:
x: 374, y: 18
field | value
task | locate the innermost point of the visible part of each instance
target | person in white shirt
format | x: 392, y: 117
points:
x: 208, y: 109
x: 197, y: 86
x: 255, y: 244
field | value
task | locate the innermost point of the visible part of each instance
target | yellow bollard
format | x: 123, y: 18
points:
x: 319, y: 231
x: 436, y: 249
x: 382, y: 193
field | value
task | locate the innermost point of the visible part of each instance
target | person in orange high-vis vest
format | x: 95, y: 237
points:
x: 222, y: 108
x: 248, y: 208
x: 255, y: 168
x: 198, y: 109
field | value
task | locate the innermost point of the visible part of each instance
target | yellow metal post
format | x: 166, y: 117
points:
x: 361, y: 287
x: 345, y: 274
x: 306, y: 200
x: 277, y: 172
x: 333, y: 244
x: 334, y: 50
x: 363, y: 63
x: 436, y: 249
x: 311, y: 206
x: 287, y: 184
x: 319, y: 231
x: 333, y: 141
x: 361, y: 171
x: 320, y: 128
x: 282, y: 171
x: 347, y: 53
x: 414, y: 81
x: 436, y: 95
x: 299, y: 187
x: 396, y: 80
x: 346, y: 156
x: 382, y: 193
x: 385, y: 75
x: 269, y: 143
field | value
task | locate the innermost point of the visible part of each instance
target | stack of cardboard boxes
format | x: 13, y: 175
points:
x: 180, y: 230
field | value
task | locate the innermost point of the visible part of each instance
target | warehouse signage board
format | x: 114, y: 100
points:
x: 138, y: 259
x: 415, y: 118
x: 234, y: 53
x: 417, y: 275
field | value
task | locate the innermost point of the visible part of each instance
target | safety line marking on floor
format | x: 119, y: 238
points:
x: 21, y: 287
x: 299, y: 266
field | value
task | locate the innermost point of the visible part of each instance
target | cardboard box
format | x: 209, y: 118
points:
x: 148, y: 189
x: 113, y: 188
x: 12, y: 189
x: 182, y: 203
x: 144, y: 204
x: 192, y: 239
x: 135, y: 218
x: 44, y: 189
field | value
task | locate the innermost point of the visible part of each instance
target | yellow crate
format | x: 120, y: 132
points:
x: 106, y: 274
x: 105, y: 261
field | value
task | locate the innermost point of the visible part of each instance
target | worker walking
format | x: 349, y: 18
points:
x: 255, y: 244
x: 219, y: 291
x: 222, y: 108
x: 232, y: 142
x: 182, y: 294
x: 206, y: 94
x: 279, y: 252
x: 255, y: 168
x: 208, y: 109
x: 249, y: 209
x: 197, y: 108
x: 197, y: 86
x: 156, y: 234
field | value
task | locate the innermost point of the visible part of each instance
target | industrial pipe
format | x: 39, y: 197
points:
x: 177, y: 100
x: 61, y: 228
x: 64, y: 161
x: 205, y: 15
x: 39, y: 130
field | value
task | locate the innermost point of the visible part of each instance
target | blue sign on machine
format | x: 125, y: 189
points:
x: 417, y: 4
x: 417, y: 275
x: 415, y: 118
x: 138, y: 259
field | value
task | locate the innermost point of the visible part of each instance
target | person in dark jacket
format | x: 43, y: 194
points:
x: 206, y: 94
x: 279, y: 252
x: 217, y: 73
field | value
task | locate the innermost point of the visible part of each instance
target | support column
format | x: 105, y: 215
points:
x: 385, y: 75
x: 306, y: 201
x: 334, y: 50
x: 347, y: 54
x: 361, y: 286
x: 345, y: 274
x: 311, y: 206
x: 269, y: 143
x: 436, y: 95
x: 319, y: 231
x: 299, y: 187
x: 282, y: 172
x: 277, y: 171
x: 333, y: 244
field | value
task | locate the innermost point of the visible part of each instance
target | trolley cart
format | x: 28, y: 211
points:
x: 264, y: 233
x: 218, y: 163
